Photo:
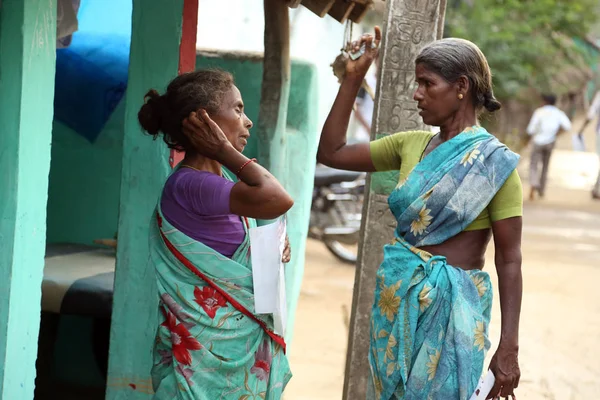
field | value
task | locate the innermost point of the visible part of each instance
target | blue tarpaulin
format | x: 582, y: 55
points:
x: 91, y: 74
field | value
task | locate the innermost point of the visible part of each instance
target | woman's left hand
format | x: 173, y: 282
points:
x: 505, y: 366
x: 287, y: 251
x: 205, y: 135
x: 360, y: 66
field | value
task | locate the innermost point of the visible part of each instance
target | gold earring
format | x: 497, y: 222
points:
x: 460, y: 96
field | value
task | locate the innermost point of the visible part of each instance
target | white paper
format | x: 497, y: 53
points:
x: 267, y: 243
x: 484, y: 387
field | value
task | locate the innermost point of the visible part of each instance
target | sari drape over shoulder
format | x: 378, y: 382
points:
x: 210, y: 345
x: 429, y: 320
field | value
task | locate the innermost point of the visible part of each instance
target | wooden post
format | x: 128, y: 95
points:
x: 187, y: 53
x: 155, y: 45
x: 275, y: 89
x: 27, y: 66
x: 408, y: 26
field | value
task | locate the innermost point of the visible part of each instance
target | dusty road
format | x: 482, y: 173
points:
x: 560, y: 320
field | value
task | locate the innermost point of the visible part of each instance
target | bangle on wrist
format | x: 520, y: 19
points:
x: 244, y: 166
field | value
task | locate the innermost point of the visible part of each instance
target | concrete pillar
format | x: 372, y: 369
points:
x: 27, y: 65
x: 155, y: 42
x: 408, y: 26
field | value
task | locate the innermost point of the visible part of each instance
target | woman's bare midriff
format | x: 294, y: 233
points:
x: 465, y: 250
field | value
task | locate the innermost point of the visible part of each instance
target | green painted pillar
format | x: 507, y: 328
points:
x: 154, y: 62
x: 27, y: 65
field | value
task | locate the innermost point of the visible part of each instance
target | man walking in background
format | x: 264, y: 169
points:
x: 546, y: 123
x: 593, y: 113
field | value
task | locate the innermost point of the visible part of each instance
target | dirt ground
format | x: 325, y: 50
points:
x: 560, y: 319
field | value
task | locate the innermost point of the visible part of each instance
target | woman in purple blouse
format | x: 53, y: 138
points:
x: 210, y: 341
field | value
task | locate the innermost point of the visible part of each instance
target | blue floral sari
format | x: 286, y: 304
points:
x: 429, y: 321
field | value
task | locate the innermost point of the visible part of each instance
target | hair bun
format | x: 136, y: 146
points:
x: 152, y: 112
x: 491, y: 103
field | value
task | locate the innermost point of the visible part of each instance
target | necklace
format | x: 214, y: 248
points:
x: 189, y: 166
x: 198, y: 169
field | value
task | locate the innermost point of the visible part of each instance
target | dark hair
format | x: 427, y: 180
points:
x: 186, y: 93
x: 549, y: 98
x: 452, y: 58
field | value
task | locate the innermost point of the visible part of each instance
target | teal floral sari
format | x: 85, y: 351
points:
x: 429, y: 321
x: 210, y: 345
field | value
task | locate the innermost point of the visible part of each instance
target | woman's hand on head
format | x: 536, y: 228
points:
x: 359, y: 67
x: 205, y: 135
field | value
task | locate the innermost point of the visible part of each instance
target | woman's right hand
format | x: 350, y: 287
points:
x: 205, y: 135
x: 359, y: 67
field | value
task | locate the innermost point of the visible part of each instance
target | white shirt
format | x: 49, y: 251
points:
x: 545, y: 124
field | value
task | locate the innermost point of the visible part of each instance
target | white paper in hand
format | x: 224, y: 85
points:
x: 484, y: 387
x: 267, y: 243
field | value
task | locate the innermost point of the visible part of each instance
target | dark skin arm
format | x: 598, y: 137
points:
x: 333, y: 149
x: 258, y: 194
x: 504, y: 364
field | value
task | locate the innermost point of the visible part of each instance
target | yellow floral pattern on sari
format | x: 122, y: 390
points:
x: 479, y: 335
x: 418, y: 226
x: 434, y: 360
x: 424, y: 299
x: 389, y: 302
x: 480, y: 284
x: 470, y: 156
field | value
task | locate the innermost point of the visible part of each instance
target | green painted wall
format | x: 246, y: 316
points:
x: 302, y: 140
x: 85, y: 178
x: 156, y: 27
x: 27, y: 65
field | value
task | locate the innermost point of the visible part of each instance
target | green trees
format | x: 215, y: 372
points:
x: 528, y: 43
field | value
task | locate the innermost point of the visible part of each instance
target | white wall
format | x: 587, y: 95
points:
x: 239, y: 25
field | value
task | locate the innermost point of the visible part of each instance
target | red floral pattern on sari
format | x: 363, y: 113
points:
x: 262, y: 361
x: 209, y: 299
x: 181, y: 339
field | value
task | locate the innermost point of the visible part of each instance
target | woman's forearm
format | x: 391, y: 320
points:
x: 252, y: 174
x: 333, y: 136
x: 510, y: 282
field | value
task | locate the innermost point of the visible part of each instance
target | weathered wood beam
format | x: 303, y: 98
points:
x: 441, y: 19
x: 408, y: 26
x: 341, y: 10
x: 359, y: 12
x: 272, y: 114
x: 319, y: 7
x: 27, y: 67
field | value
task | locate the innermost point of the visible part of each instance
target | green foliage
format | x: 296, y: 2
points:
x: 528, y: 43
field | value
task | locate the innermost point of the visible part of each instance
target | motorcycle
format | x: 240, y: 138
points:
x: 336, y: 211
